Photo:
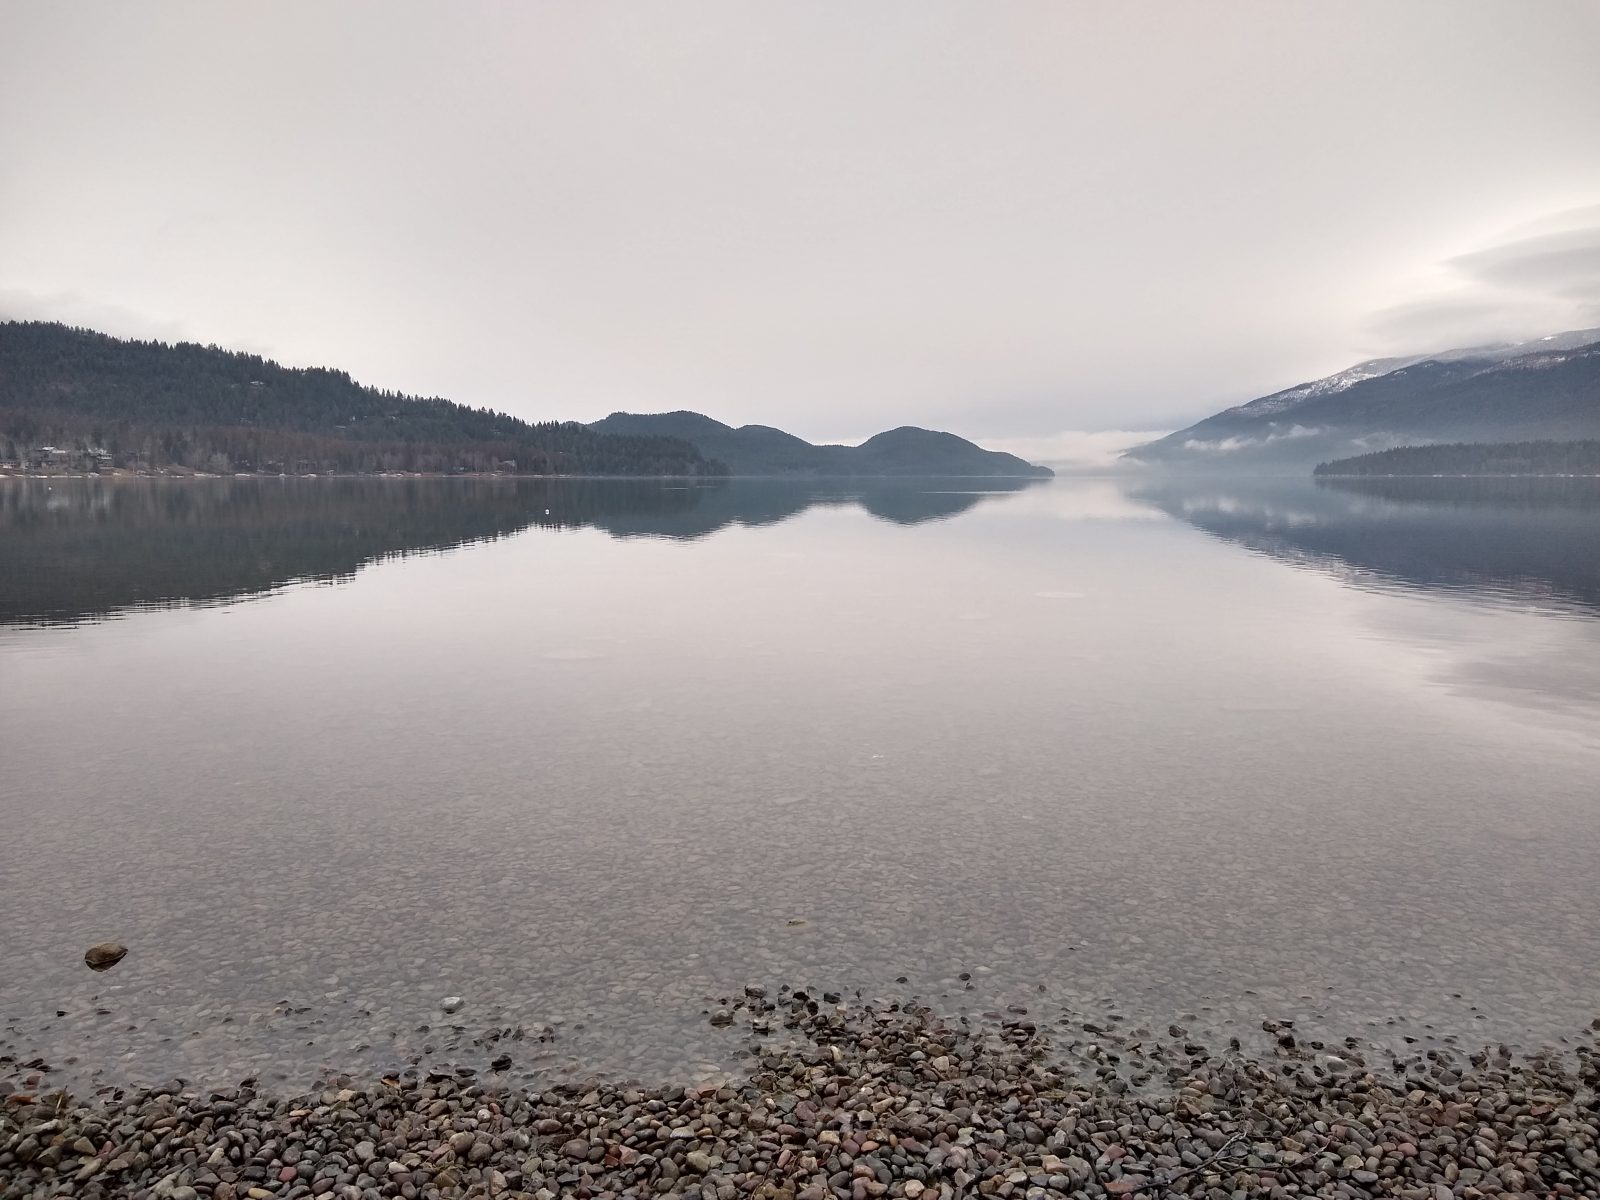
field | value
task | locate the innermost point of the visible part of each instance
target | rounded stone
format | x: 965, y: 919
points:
x: 104, y: 956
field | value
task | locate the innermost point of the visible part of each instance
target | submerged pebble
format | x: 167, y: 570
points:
x: 104, y: 956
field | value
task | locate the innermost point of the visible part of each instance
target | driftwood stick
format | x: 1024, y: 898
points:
x: 1164, y: 1182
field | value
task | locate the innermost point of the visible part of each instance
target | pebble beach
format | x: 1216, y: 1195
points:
x: 849, y: 1098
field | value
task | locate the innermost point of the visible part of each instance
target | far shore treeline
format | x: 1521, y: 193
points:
x: 1474, y: 458
x: 76, y: 399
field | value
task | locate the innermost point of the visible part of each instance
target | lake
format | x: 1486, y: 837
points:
x: 591, y: 755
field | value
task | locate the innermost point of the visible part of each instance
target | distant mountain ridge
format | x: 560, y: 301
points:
x: 763, y: 450
x: 1542, y: 390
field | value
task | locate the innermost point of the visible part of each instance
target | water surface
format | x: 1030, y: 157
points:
x: 590, y: 755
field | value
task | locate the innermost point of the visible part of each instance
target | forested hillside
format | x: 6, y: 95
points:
x: 75, y: 398
x: 1474, y: 458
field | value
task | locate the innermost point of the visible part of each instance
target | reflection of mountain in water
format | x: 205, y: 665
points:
x: 766, y: 502
x: 76, y: 549
x: 1519, y: 541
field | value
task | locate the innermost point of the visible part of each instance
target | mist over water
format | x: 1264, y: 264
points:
x: 585, y: 755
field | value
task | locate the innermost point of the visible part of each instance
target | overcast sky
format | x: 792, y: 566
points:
x: 1007, y: 220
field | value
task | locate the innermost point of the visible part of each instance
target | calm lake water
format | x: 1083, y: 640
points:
x: 590, y: 755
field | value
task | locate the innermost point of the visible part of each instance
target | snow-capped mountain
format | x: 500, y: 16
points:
x: 1283, y: 401
x: 1548, y: 387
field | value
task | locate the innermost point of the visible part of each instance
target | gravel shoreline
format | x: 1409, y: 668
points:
x: 854, y: 1101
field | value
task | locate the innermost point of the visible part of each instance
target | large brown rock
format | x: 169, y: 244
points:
x: 104, y: 956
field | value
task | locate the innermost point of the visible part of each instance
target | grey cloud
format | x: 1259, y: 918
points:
x: 1558, y: 264
x: 1535, y: 281
x: 1449, y: 322
x: 1423, y: 322
x: 1229, y: 445
x: 1004, y: 220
